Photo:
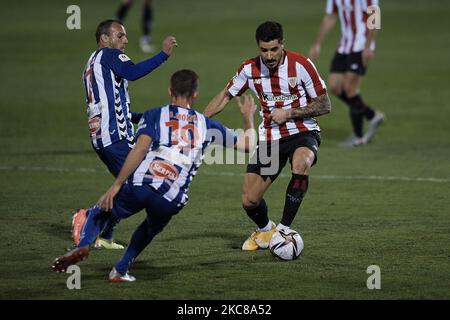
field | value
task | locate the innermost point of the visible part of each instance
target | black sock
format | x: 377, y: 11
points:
x: 259, y: 214
x: 357, y: 121
x: 295, y: 192
x: 147, y: 16
x: 358, y: 102
x: 357, y: 111
x: 343, y: 97
x: 123, y: 10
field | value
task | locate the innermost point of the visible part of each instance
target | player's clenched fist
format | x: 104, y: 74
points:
x: 168, y: 44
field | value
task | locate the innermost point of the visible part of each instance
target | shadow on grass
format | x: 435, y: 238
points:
x: 335, y: 135
x: 58, y: 230
x: 234, y: 240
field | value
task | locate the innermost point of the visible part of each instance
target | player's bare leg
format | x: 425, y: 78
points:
x: 253, y: 190
x: 253, y: 203
x: 352, y: 82
x: 302, y: 160
x: 336, y: 84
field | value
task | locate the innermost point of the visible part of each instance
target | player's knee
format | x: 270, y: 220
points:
x: 249, y: 201
x: 302, y: 166
x: 350, y: 90
x: 335, y: 89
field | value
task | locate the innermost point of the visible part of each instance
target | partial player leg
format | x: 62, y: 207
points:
x: 159, y: 213
x: 105, y: 239
x: 336, y: 77
x: 123, y: 10
x: 140, y: 239
x: 255, y: 206
x: 79, y: 218
x: 126, y: 203
x: 113, y: 157
x: 351, y: 88
x: 147, y: 17
x: 95, y: 222
x: 359, y: 110
x: 302, y: 160
x: 72, y: 257
x: 336, y: 85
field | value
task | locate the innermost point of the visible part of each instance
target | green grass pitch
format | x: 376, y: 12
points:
x: 365, y: 206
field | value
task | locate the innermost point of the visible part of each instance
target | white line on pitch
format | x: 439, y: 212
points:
x: 334, y: 177
x: 233, y: 174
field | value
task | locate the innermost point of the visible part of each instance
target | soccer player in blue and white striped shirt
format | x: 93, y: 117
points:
x: 156, y: 175
x: 105, y: 79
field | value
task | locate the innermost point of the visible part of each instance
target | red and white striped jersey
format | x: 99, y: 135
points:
x: 353, y: 16
x: 291, y: 86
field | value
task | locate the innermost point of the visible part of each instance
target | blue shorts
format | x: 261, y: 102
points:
x: 113, y: 156
x: 132, y: 199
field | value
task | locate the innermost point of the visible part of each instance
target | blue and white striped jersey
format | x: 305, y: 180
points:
x: 108, y: 102
x: 179, y: 139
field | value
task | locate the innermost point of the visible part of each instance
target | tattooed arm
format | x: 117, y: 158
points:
x: 317, y: 107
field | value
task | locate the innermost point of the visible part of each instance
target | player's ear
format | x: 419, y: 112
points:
x: 169, y: 91
x: 282, y: 43
x: 104, y: 37
x: 195, y: 95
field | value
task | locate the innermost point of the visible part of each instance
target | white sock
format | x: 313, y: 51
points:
x: 268, y: 227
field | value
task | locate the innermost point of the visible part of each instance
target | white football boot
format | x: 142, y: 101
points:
x: 115, y: 276
x: 373, y: 125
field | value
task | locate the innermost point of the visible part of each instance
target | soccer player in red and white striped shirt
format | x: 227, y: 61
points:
x: 354, y: 52
x: 291, y: 94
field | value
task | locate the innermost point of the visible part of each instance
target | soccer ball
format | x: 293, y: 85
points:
x: 286, y: 245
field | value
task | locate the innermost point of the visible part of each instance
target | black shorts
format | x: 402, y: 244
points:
x: 348, y: 63
x: 270, y: 158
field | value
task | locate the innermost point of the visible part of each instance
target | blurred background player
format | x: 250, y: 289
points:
x: 169, y: 150
x: 350, y: 62
x: 145, y: 41
x: 110, y: 120
x: 291, y: 94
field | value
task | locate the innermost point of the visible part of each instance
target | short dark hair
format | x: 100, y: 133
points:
x: 268, y: 31
x: 103, y: 28
x: 184, y: 83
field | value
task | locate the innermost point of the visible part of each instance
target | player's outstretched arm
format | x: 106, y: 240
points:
x: 218, y: 103
x: 317, y: 107
x: 328, y: 22
x: 247, y: 141
x: 124, y: 67
x: 134, y: 158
